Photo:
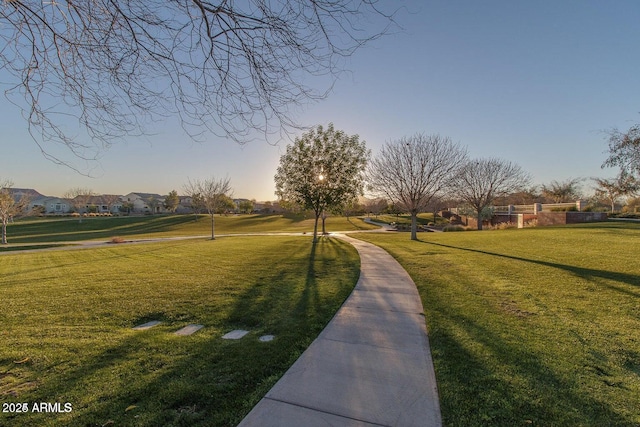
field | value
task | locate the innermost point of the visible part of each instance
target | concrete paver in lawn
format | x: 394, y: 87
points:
x: 189, y: 330
x: 147, y: 325
x: 235, y: 334
x: 370, y: 366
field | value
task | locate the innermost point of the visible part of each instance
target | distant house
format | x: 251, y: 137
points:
x: 40, y: 202
x: 104, y: 203
x: 143, y: 203
x: 52, y: 205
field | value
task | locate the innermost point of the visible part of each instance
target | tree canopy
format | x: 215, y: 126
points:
x: 235, y: 68
x: 483, y: 180
x: 322, y: 170
x: 562, y: 191
x: 624, y: 150
x: 624, y: 184
x: 413, y: 170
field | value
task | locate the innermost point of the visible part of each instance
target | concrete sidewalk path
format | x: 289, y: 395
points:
x: 371, y: 365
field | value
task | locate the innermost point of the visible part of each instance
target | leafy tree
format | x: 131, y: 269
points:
x: 633, y: 204
x: 225, y: 205
x: 481, y: 181
x: 172, y: 201
x: 246, y: 206
x: 412, y: 171
x: 563, y: 191
x: 624, y: 150
x: 212, y: 193
x: 10, y: 207
x: 394, y: 209
x: 612, y: 189
x: 350, y: 208
x: 322, y: 170
x: 267, y: 207
x: 233, y: 67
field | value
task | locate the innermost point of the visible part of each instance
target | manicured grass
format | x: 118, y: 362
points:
x: 26, y: 247
x: 531, y: 327
x: 39, y: 230
x: 67, y: 319
x: 423, y: 219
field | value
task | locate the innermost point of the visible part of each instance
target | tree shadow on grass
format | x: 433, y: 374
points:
x: 136, y: 250
x: 523, y: 392
x: 488, y: 376
x: 65, y: 230
x: 153, y: 377
x: 583, y: 272
x: 260, y: 304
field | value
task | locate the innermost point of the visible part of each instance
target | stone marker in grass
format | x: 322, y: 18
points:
x: 188, y: 330
x: 266, y: 338
x: 147, y: 325
x: 235, y: 335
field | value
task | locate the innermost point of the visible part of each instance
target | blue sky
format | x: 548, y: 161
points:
x: 536, y: 83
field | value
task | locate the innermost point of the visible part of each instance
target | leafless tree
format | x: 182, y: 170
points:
x: 375, y: 206
x: 212, y: 193
x: 611, y: 190
x: 152, y: 203
x: 481, y: 181
x: 413, y: 170
x: 110, y: 200
x: 79, y: 197
x: 10, y: 207
x: 235, y: 68
x: 563, y: 191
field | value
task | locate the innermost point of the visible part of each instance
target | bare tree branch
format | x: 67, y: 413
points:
x: 483, y: 180
x: 412, y: 171
x: 212, y: 193
x: 11, y: 206
x: 237, y: 69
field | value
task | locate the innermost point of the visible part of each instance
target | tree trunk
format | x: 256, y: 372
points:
x: 213, y: 236
x: 324, y: 217
x: 414, y: 226
x: 4, y: 232
x: 315, y: 229
x: 480, y: 219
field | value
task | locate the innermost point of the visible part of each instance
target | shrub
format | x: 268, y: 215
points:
x: 505, y: 225
x: 455, y: 228
x: 567, y: 209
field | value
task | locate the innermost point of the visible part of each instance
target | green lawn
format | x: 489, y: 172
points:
x: 533, y: 327
x: 47, y: 230
x: 405, y: 219
x: 67, y: 319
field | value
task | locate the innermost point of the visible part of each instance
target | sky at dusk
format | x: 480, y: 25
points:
x: 536, y: 83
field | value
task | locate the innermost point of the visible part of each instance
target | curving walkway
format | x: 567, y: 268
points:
x: 371, y: 365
